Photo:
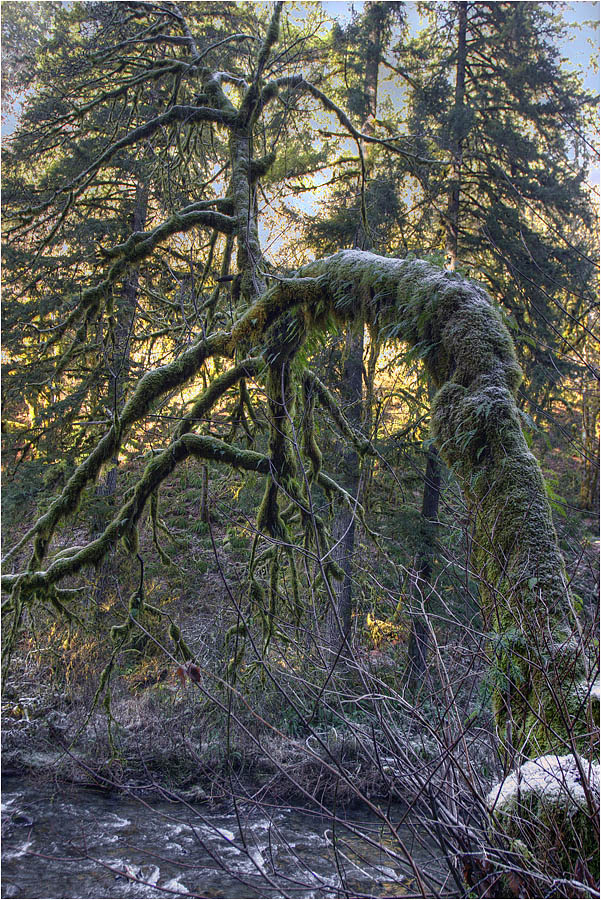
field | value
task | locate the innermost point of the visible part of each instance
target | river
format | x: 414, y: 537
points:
x: 77, y: 843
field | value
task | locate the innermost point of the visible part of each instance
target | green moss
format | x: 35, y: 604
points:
x: 260, y: 167
x: 309, y: 443
x: 327, y: 400
x: 153, y: 385
x: 207, y: 447
x: 449, y: 322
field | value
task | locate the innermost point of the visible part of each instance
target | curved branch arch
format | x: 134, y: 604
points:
x: 469, y: 355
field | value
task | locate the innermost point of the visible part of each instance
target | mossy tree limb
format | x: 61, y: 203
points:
x: 125, y: 521
x: 470, y: 358
x: 149, y: 389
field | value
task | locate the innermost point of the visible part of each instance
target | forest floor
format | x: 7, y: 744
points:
x: 202, y: 737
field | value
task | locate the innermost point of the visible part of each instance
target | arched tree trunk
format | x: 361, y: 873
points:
x: 541, y: 697
x: 470, y: 358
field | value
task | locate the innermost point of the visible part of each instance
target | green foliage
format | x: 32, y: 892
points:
x: 235, y: 539
x: 522, y: 190
x: 20, y: 491
x: 556, y: 501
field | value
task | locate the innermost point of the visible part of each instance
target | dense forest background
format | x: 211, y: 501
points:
x: 238, y: 557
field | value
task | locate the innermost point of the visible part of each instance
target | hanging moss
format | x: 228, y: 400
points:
x: 236, y: 635
x: 297, y: 606
x: 450, y: 323
x: 281, y: 454
x: 274, y: 574
x: 329, y: 402
x: 156, y: 524
x: 131, y: 539
x: 309, y: 444
x: 182, y: 649
x: 15, y: 611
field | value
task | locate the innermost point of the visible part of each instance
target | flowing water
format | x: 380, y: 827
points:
x: 78, y: 843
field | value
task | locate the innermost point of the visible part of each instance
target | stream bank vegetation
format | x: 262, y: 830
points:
x: 312, y: 523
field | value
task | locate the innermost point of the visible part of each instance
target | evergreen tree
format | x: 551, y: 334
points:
x: 513, y: 135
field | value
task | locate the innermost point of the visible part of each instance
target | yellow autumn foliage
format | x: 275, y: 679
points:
x: 381, y: 631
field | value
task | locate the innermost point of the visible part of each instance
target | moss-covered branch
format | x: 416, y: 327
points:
x: 184, y: 444
x: 469, y: 356
x: 140, y: 244
x: 149, y: 389
x: 123, y: 526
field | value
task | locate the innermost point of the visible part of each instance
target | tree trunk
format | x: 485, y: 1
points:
x: 539, y: 673
x: 371, y: 412
x: 119, y: 366
x: 589, y: 484
x: 419, y: 642
x: 351, y: 389
x: 349, y: 477
x: 457, y: 137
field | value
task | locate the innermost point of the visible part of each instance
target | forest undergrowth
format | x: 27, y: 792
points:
x: 161, y: 724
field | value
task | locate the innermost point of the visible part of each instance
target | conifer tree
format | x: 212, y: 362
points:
x: 486, y: 89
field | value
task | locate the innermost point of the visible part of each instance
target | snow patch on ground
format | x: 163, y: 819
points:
x: 175, y: 885
x: 552, y: 778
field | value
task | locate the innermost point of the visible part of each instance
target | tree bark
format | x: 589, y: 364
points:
x: 419, y: 641
x: 589, y: 484
x: 351, y: 388
x: 349, y: 477
x: 457, y: 137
